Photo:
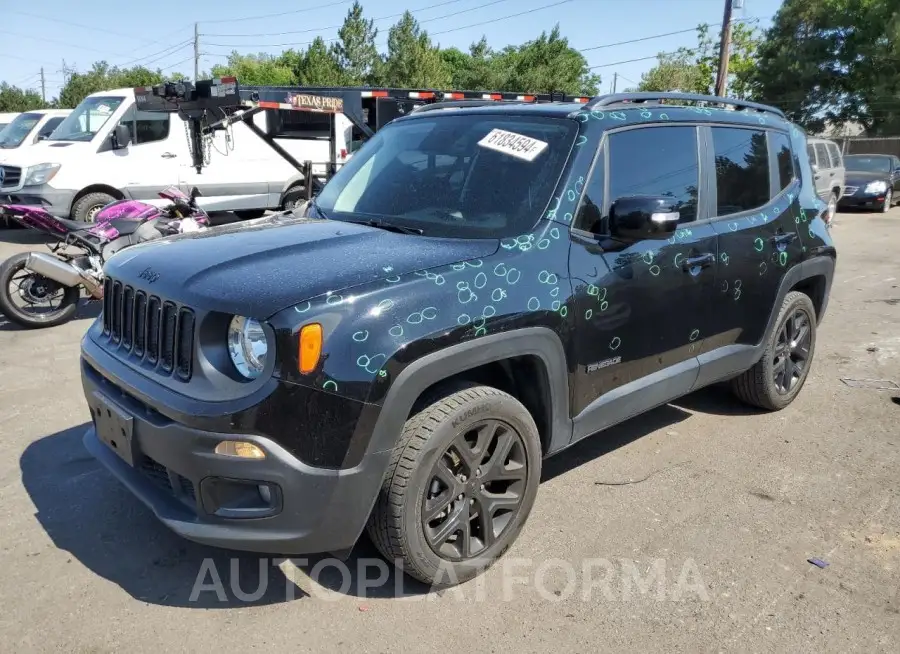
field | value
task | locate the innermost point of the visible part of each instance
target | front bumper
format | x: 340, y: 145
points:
x: 57, y: 202
x: 862, y: 201
x: 172, y: 468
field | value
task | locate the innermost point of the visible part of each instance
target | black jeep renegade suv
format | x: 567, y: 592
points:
x: 477, y: 289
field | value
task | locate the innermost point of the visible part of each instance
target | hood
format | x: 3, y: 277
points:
x: 861, y: 178
x: 262, y: 266
x: 47, y: 152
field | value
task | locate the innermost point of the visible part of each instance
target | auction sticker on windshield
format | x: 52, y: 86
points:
x: 516, y: 145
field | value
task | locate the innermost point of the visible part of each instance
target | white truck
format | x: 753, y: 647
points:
x: 28, y: 128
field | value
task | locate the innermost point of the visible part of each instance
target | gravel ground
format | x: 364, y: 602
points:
x: 707, y: 553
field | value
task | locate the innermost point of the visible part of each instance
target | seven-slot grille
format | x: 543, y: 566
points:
x: 12, y: 176
x: 850, y: 190
x: 147, y: 328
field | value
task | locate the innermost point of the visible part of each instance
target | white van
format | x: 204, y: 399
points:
x: 82, y: 166
x: 28, y: 128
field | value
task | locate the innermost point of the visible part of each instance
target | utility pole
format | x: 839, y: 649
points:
x: 724, y: 51
x: 615, y: 81
x: 196, y: 51
x: 43, y: 86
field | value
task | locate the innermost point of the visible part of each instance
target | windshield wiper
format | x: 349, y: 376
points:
x: 391, y: 227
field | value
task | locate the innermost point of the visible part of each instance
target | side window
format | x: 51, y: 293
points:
x: 590, y: 212
x: 49, y: 126
x: 834, y: 156
x: 896, y: 161
x: 822, y: 155
x: 742, y: 169
x: 656, y: 161
x: 146, y: 126
x: 811, y: 153
x: 782, y: 145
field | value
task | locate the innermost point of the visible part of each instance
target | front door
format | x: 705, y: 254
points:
x: 150, y: 162
x: 642, y: 306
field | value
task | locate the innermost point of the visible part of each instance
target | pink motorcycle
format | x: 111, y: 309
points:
x: 49, y: 285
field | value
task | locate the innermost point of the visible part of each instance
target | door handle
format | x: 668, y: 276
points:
x: 700, y: 261
x: 168, y: 155
x: 784, y: 239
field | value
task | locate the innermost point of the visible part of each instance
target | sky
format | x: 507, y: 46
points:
x: 159, y: 34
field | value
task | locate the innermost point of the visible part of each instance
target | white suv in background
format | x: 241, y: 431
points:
x: 828, y: 171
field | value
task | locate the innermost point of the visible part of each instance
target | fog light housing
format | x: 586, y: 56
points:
x: 237, y: 499
x: 240, y: 449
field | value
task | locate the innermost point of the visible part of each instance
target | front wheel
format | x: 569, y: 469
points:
x: 832, y: 208
x: 459, y: 487
x: 888, y: 201
x: 86, y: 208
x: 31, y: 300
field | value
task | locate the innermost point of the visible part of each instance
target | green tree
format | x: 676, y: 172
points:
x: 545, y: 64
x: 14, y: 99
x: 355, y: 52
x: 834, y: 62
x: 412, y: 60
x: 103, y: 77
x: 693, y: 70
x: 318, y: 67
x: 257, y: 70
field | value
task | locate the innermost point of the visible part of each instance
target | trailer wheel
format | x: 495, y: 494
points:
x: 294, y: 196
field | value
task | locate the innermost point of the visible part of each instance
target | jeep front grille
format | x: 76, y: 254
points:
x: 12, y: 177
x: 148, y: 329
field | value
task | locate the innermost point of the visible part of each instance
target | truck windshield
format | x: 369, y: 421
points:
x: 484, y: 175
x: 874, y: 164
x: 87, y: 119
x: 18, y: 130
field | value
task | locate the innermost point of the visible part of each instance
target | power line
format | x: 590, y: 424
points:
x: 68, y: 45
x: 31, y: 60
x: 162, y: 54
x: 282, y: 13
x: 70, y: 23
x: 183, y: 61
x: 631, y: 61
x: 455, y: 29
x: 659, y: 36
x: 336, y: 27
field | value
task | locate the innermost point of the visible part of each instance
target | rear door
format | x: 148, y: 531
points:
x: 837, y: 168
x: 758, y: 220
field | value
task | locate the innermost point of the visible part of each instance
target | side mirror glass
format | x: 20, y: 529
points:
x: 639, y: 218
x: 121, y: 137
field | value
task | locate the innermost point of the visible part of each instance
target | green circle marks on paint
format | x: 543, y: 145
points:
x: 330, y: 386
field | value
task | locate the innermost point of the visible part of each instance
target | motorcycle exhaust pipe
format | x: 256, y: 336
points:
x: 62, y: 272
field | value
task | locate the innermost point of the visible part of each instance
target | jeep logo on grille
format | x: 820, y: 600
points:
x: 149, y: 275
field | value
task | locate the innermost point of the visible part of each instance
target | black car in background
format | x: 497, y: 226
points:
x: 872, y: 182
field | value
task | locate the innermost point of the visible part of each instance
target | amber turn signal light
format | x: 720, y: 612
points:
x: 240, y: 449
x: 310, y: 347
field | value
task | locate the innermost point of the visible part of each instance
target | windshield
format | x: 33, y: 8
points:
x: 463, y: 176
x: 15, y: 132
x: 87, y: 119
x: 868, y: 164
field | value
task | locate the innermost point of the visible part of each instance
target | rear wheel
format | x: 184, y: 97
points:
x: 31, y: 300
x: 459, y: 487
x: 778, y: 376
x: 293, y: 197
x: 85, y: 208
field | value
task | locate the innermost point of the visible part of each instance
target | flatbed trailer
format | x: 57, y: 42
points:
x: 210, y: 105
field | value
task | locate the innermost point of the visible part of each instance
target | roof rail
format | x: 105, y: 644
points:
x: 652, y: 96
x: 462, y: 104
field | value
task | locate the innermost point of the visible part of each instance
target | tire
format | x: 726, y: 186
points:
x: 250, y: 214
x: 832, y: 207
x: 85, y: 208
x: 888, y: 201
x: 293, y: 197
x: 396, y: 525
x: 759, y: 385
x: 14, y: 314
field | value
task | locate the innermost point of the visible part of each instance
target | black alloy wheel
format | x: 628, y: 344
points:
x: 792, y: 351
x: 475, y: 490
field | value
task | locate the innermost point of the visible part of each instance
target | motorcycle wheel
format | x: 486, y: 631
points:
x: 60, y: 302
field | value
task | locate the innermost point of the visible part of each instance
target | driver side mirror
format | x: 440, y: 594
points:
x: 640, y: 218
x: 121, y: 137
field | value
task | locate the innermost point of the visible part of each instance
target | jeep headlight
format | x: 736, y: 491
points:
x: 876, y: 187
x: 40, y: 174
x: 247, y: 345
